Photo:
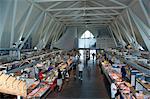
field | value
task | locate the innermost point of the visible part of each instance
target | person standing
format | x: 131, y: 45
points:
x: 36, y: 70
x: 80, y: 67
x: 113, y: 89
x: 123, y: 71
x: 40, y: 75
x: 59, y: 80
x: 74, y: 64
x: 93, y: 55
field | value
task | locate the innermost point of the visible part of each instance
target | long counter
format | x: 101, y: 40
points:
x: 114, y: 75
x: 136, y: 71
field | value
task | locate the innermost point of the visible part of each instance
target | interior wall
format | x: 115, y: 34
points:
x: 68, y: 40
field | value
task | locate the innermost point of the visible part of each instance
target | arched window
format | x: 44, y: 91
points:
x: 87, y: 34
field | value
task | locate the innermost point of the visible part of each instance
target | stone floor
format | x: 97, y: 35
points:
x: 93, y: 86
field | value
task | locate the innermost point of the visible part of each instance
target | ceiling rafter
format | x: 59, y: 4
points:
x: 100, y: 14
x: 89, y: 25
x: 86, y: 19
x: 99, y: 4
x: 119, y: 3
x: 67, y: 7
x: 89, y: 22
x: 85, y: 23
x: 54, y: 0
x: 72, y: 17
x: 86, y: 8
x: 100, y: 11
x: 57, y: 3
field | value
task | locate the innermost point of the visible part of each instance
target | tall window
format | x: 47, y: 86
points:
x: 87, y: 40
x: 87, y: 34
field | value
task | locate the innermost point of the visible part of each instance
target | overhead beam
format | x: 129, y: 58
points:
x: 33, y: 28
x: 57, y: 33
x: 124, y: 11
x: 43, y: 25
x: 54, y: 33
x: 99, y: 4
x: 49, y: 33
x: 25, y: 22
x: 119, y: 3
x: 119, y: 31
x: 89, y: 25
x: 87, y: 8
x: 100, y: 14
x: 86, y: 19
x: 145, y: 12
x: 87, y: 22
x: 111, y: 32
x: 142, y: 28
x: 42, y: 9
x: 67, y: 7
x: 102, y: 11
x: 131, y: 25
x: 13, y: 24
x: 115, y: 31
x: 57, y: 3
x: 111, y: 15
x: 54, y: 0
x: 73, y: 17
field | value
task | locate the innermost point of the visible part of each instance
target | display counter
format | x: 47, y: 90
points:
x: 136, y: 69
x: 145, y: 84
x: 22, y: 76
x: 125, y: 88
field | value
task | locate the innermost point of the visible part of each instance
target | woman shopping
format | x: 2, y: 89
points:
x: 59, y: 80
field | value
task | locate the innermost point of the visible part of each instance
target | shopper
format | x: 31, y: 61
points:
x: 74, y: 65
x: 36, y: 70
x: 113, y: 89
x: 59, y: 80
x: 80, y: 67
x: 40, y: 75
x: 123, y: 71
x: 93, y: 55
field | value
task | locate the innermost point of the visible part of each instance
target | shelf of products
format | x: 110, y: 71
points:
x: 111, y: 74
x: 24, y: 75
x: 138, y: 73
x: 10, y: 85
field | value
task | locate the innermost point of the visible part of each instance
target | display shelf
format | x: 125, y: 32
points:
x: 143, y: 64
x: 142, y: 69
x: 29, y: 59
x: 41, y: 91
x: 34, y: 90
x: 111, y: 74
x: 144, y: 84
x: 10, y: 85
x: 21, y: 67
x: 131, y: 63
x: 138, y: 67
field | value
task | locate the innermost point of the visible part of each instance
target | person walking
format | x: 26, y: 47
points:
x: 74, y: 65
x: 80, y: 67
x: 113, y: 89
x: 40, y: 75
x: 93, y: 55
x: 123, y: 72
x: 59, y: 80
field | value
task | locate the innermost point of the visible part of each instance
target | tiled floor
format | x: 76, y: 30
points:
x: 93, y: 85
